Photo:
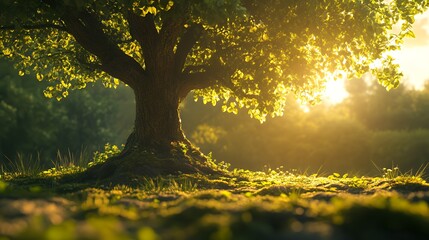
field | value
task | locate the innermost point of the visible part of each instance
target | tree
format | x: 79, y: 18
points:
x: 401, y: 109
x: 242, y: 53
x: 32, y: 125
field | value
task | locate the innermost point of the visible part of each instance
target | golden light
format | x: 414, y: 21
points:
x: 414, y: 55
x: 413, y: 61
x: 335, y: 91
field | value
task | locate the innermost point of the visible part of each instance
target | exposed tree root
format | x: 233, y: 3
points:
x: 130, y: 167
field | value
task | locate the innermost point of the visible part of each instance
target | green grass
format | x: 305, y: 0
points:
x: 273, y: 204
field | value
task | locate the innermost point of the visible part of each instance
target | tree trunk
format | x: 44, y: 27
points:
x: 157, y: 146
x: 157, y: 124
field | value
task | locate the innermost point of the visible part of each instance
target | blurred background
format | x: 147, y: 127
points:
x: 370, y: 128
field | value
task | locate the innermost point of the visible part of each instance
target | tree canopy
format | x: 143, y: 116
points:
x: 239, y: 53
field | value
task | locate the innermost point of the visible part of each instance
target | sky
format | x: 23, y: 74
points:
x: 413, y: 59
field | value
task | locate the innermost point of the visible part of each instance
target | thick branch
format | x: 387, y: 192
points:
x: 196, y: 80
x: 201, y: 80
x: 88, y: 32
x: 199, y: 77
x: 190, y: 37
x: 209, y: 76
x: 172, y: 28
x: 134, y: 22
x: 143, y: 30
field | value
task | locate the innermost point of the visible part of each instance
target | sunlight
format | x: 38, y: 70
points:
x: 413, y: 63
x: 304, y: 107
x: 414, y: 55
x: 335, y: 91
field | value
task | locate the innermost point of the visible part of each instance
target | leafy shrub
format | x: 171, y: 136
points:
x: 110, y: 150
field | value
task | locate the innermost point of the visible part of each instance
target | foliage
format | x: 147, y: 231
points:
x: 245, y: 54
x: 72, y: 165
x: 100, y: 157
x: 400, y: 109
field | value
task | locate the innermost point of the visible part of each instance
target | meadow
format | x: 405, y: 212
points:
x: 239, y: 204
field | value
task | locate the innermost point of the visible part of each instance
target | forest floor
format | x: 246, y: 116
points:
x: 245, y: 204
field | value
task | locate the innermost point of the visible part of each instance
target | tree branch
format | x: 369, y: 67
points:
x: 187, y: 42
x: 143, y: 30
x: 172, y: 28
x: 158, y: 46
x: 88, y: 32
x: 199, y: 77
x: 196, y: 80
x: 206, y: 77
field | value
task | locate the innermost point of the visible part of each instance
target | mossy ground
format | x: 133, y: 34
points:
x: 242, y: 205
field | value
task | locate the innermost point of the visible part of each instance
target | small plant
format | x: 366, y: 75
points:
x: 100, y: 157
x: 222, y: 166
x: 391, y: 173
x: 183, y: 147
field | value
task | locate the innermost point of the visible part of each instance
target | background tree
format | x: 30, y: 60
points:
x: 33, y: 125
x: 399, y: 109
x: 244, y: 54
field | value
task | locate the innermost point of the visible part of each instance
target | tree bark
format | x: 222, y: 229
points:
x: 157, y: 123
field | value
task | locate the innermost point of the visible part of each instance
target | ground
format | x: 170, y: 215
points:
x: 273, y: 204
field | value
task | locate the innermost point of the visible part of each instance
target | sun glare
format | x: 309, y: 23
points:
x: 335, y: 91
x: 304, y: 107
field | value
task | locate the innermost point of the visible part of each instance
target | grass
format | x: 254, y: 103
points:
x: 270, y: 204
x: 23, y: 165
